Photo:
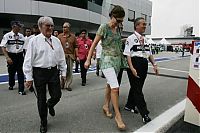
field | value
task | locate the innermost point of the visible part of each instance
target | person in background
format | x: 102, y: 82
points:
x: 111, y: 61
x: 68, y: 41
x: 138, y: 51
x: 55, y: 33
x: 98, y: 57
x: 12, y: 47
x: 27, y: 36
x: 43, y: 60
x: 35, y: 31
x: 84, y: 44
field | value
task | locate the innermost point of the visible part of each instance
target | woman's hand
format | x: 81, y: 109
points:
x: 87, y: 64
x: 155, y: 68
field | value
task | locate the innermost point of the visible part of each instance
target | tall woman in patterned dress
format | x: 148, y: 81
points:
x: 111, y: 61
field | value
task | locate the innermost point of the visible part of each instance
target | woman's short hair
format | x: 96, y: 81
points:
x: 42, y: 20
x: 117, y: 12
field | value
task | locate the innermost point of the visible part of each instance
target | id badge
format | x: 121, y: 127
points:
x: 86, y: 46
x: 67, y: 45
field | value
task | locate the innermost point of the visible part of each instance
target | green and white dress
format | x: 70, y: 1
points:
x: 112, y: 54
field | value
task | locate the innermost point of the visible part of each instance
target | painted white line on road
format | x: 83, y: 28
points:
x: 4, y: 74
x: 164, y: 121
x: 171, y: 69
x: 1, y: 83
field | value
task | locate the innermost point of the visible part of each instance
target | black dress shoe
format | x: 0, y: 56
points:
x: 103, y: 76
x: 43, y: 129
x: 51, y: 111
x: 134, y: 110
x: 146, y: 119
x: 22, y: 93
x: 83, y: 84
x: 97, y: 73
x: 10, y: 88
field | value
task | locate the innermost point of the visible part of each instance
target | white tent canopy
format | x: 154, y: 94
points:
x: 164, y: 42
x: 150, y: 41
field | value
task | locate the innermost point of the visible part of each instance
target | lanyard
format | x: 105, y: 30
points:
x: 50, y: 43
x: 16, y: 39
x: 141, y: 43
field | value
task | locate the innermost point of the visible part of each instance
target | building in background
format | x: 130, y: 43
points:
x: 81, y: 14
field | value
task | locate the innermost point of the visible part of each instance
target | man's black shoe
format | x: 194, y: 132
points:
x: 10, y: 88
x: 97, y: 73
x: 146, y: 119
x: 131, y: 110
x: 103, y: 76
x: 51, y: 111
x: 43, y: 129
x: 83, y: 84
x: 22, y: 93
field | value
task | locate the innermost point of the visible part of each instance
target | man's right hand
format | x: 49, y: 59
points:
x: 9, y: 61
x: 28, y: 84
x: 134, y: 72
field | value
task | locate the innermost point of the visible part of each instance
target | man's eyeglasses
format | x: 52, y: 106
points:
x: 49, y: 25
x: 83, y: 33
x: 65, y: 27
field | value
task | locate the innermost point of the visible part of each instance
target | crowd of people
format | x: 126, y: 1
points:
x: 46, y: 59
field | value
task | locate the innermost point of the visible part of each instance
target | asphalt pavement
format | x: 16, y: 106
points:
x: 81, y: 109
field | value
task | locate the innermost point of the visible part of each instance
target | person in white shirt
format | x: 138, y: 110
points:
x: 138, y: 51
x: 43, y: 60
x: 98, y: 57
x: 12, y: 47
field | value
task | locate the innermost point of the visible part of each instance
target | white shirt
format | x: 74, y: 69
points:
x: 98, y: 50
x: 27, y: 39
x: 41, y: 54
x: 133, y: 46
x: 13, y: 43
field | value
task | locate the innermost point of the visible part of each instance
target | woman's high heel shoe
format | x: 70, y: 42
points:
x: 107, y: 113
x: 120, y: 125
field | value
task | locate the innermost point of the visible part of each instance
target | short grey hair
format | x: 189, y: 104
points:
x: 68, y: 24
x: 44, y: 19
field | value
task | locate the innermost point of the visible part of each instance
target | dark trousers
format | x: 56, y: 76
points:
x: 43, y: 77
x: 119, y: 76
x: 98, y: 66
x: 136, y: 97
x: 76, y: 66
x: 18, y: 60
x: 83, y: 71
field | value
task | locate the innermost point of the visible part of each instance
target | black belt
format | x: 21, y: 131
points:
x: 15, y: 53
x: 48, y: 68
x: 138, y: 57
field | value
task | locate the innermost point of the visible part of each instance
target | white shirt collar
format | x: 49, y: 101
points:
x: 45, y: 36
x: 137, y: 34
x: 14, y: 33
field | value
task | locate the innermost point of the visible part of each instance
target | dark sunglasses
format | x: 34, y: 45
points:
x: 118, y: 20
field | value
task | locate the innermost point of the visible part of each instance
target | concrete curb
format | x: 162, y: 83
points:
x: 170, y: 117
